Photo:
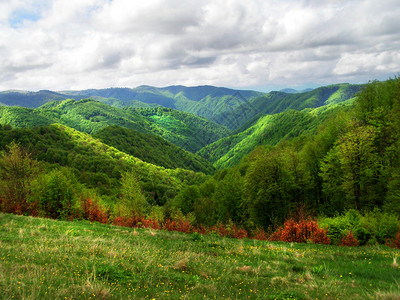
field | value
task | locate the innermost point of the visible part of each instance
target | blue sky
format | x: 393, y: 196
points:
x: 256, y: 44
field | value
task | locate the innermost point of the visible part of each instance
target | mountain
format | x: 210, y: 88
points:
x: 277, y: 102
x: 294, y: 91
x: 183, y: 129
x: 228, y: 107
x: 29, y: 99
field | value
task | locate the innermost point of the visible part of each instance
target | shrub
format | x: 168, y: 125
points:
x: 301, y: 232
x: 349, y: 240
x: 260, y: 234
x: 93, y: 211
x: 373, y: 227
x: 381, y: 226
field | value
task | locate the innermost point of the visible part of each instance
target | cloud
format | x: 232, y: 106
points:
x: 100, y: 43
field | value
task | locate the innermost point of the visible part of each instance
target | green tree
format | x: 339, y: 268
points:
x: 132, y: 201
x: 17, y: 170
x: 57, y: 194
x: 266, y: 188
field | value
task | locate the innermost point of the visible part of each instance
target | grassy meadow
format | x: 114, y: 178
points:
x: 47, y: 259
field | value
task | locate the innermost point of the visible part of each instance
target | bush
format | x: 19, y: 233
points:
x: 349, y: 240
x: 93, y: 211
x: 381, y: 226
x: 395, y: 243
x: 373, y: 227
x: 56, y: 194
x: 302, y: 231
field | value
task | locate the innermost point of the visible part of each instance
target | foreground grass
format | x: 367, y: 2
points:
x: 47, y: 259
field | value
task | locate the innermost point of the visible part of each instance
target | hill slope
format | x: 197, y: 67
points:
x: 183, y: 129
x: 152, y: 149
x: 98, y: 165
x: 267, y: 130
x: 229, y: 107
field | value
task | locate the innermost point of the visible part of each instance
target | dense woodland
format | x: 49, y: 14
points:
x: 335, y: 158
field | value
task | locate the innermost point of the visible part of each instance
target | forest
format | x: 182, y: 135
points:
x: 335, y: 162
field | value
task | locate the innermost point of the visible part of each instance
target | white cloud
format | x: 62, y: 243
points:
x: 100, y: 43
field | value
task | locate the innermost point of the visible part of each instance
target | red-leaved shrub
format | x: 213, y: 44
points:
x: 300, y: 232
x: 260, y: 234
x: 394, y: 243
x: 349, y: 240
x: 92, y: 211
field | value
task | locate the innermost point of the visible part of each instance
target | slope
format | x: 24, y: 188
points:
x: 229, y: 107
x: 152, y: 149
x: 98, y: 165
x: 267, y: 130
x: 183, y: 129
x: 276, y: 102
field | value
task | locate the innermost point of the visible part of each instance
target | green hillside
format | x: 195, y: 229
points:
x: 153, y: 149
x: 96, y: 164
x: 276, y: 102
x: 228, y: 107
x: 185, y: 130
x: 267, y: 130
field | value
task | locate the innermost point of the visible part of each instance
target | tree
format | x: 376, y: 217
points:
x: 266, y: 188
x: 132, y: 201
x: 17, y: 170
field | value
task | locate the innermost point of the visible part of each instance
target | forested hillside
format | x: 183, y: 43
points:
x: 185, y: 130
x: 153, y: 149
x: 267, y: 130
x: 228, y: 107
x: 82, y: 159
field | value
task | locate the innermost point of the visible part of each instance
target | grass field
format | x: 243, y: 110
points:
x: 47, y: 259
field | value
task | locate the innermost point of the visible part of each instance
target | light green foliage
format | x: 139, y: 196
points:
x: 152, y: 149
x: 17, y: 171
x: 267, y: 130
x: 132, y: 201
x: 371, y: 228
x: 57, y: 193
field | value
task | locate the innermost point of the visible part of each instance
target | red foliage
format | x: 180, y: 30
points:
x: 19, y: 208
x: 201, y: 229
x: 349, y: 240
x: 137, y: 221
x: 222, y: 230
x: 92, y: 211
x: 300, y: 232
x: 179, y: 225
x: 260, y: 234
x: 239, y: 233
x: 394, y: 243
x: 169, y: 225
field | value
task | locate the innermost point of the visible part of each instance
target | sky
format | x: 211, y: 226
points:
x: 253, y: 44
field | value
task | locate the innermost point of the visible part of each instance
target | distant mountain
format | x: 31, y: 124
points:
x: 29, y: 99
x: 293, y: 91
x: 228, y: 107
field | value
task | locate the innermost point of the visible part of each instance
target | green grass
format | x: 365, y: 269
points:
x: 47, y: 259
